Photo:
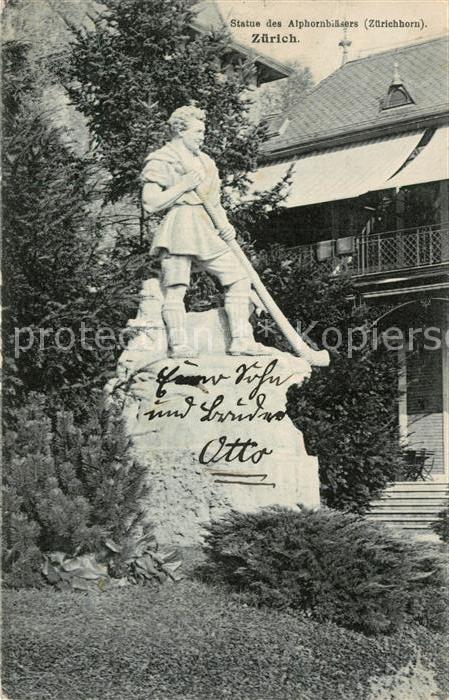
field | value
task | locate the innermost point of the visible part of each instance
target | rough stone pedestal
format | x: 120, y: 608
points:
x: 213, y: 431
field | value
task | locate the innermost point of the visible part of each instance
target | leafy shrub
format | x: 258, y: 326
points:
x: 347, y: 411
x: 140, y: 559
x: 83, y: 572
x: 334, y: 566
x: 441, y: 526
x: 66, y: 488
x: 137, y: 560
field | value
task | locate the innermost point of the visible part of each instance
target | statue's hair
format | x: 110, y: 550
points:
x: 181, y: 117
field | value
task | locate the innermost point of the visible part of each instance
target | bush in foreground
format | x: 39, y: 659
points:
x: 334, y: 566
x: 66, y: 488
x: 441, y: 525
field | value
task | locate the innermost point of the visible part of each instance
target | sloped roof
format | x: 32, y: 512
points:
x: 349, y: 99
x: 209, y: 18
x: 208, y: 14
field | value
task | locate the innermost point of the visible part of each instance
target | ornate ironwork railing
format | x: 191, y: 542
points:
x: 371, y: 253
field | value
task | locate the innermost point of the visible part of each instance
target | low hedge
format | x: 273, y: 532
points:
x: 331, y: 565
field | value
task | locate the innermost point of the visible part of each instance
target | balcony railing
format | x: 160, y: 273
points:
x: 371, y: 253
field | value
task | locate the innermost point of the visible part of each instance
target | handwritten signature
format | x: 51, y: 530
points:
x: 237, y: 450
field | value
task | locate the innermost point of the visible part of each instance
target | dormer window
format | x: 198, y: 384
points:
x: 276, y: 125
x: 397, y: 95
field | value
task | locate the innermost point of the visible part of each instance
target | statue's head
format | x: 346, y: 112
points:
x: 188, y: 124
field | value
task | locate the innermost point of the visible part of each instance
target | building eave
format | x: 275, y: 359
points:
x: 423, y: 279
x: 364, y: 132
x: 273, y: 67
x: 269, y: 69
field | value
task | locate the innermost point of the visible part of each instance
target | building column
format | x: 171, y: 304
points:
x: 402, y: 403
x: 445, y: 380
x: 444, y: 217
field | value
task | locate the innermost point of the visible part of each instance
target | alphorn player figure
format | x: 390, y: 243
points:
x: 183, y: 180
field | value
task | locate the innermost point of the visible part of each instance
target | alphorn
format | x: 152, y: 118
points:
x: 318, y: 358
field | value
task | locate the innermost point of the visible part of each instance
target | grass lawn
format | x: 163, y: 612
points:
x: 190, y: 640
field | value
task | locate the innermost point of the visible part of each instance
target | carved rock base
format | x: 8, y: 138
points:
x: 214, y: 435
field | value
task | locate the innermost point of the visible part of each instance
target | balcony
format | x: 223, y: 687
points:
x: 376, y: 253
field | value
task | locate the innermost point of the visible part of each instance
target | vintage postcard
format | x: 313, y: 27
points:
x: 225, y: 349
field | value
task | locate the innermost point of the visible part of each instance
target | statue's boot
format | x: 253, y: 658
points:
x: 174, y: 315
x: 248, y: 346
x: 242, y: 339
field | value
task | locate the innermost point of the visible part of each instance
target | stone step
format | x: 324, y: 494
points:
x: 420, y: 532
x: 407, y: 501
x: 399, y: 508
x: 413, y: 495
x: 410, y: 527
x: 416, y: 526
x: 403, y: 517
x: 412, y: 506
x: 418, y: 487
x: 427, y: 495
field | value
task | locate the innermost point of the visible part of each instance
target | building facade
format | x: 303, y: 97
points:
x: 368, y: 162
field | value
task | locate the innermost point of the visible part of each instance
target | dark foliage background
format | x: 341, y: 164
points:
x: 58, y: 276
x: 348, y: 411
x: 135, y: 67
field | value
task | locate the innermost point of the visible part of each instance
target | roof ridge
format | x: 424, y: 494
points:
x: 346, y: 128
x: 397, y: 49
x: 348, y: 100
x: 365, y: 58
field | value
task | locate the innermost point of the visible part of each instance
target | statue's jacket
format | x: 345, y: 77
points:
x: 186, y: 228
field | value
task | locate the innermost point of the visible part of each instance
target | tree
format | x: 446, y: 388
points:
x: 348, y: 411
x: 140, y: 63
x: 66, y: 488
x: 57, y: 280
x: 282, y: 95
x: 129, y: 72
x: 43, y: 207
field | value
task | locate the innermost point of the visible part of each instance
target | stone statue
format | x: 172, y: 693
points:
x: 211, y: 427
x: 177, y: 178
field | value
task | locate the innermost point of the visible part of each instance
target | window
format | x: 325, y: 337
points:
x: 397, y: 97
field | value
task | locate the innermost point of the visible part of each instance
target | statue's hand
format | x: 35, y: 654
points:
x: 191, y: 180
x: 228, y: 233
